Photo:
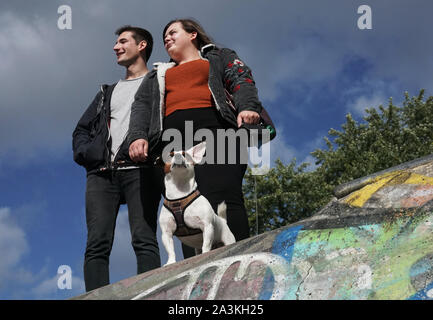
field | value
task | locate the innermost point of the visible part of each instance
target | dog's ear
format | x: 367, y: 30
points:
x: 197, y: 152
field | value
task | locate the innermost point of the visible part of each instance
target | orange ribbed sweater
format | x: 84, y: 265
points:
x: 187, y: 86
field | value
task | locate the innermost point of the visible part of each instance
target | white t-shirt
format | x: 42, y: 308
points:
x: 121, y: 101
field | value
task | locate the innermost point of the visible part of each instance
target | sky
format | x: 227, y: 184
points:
x: 311, y: 62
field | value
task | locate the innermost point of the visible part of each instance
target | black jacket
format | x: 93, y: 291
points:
x: 226, y: 71
x: 91, y: 140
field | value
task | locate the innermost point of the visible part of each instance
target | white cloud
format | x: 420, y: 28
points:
x: 365, y: 102
x: 21, y: 281
x: 48, y: 288
x: 13, y: 245
x: 285, y: 152
x: 41, y: 71
x: 97, y: 10
x: 29, y: 74
x: 280, y: 149
x: 311, y: 161
x: 17, y: 39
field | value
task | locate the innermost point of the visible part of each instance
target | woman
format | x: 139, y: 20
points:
x: 192, y: 88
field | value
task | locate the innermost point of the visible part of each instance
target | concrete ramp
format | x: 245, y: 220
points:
x: 374, y: 240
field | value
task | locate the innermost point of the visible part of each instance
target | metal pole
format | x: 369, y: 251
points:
x: 257, y: 213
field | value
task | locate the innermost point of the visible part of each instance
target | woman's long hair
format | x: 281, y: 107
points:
x: 190, y: 25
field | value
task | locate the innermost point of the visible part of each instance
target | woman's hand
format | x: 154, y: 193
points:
x: 138, y: 150
x: 249, y: 117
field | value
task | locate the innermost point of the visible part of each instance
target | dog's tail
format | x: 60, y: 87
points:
x: 222, y: 210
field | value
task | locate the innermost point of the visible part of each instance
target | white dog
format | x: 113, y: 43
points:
x: 187, y: 214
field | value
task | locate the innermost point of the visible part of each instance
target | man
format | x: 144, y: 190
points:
x: 99, y: 145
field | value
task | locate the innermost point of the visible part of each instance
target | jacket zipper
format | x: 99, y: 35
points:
x: 107, y: 159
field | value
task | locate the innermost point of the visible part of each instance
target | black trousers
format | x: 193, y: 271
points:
x: 141, y: 190
x: 216, y: 182
x: 223, y: 182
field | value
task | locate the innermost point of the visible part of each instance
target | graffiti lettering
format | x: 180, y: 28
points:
x: 212, y: 277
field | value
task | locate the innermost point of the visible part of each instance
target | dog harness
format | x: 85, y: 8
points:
x: 177, y: 208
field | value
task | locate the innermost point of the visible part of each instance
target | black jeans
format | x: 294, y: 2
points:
x: 141, y: 190
x: 223, y: 182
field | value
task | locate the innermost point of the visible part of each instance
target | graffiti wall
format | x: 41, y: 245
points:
x: 374, y: 243
x: 377, y: 261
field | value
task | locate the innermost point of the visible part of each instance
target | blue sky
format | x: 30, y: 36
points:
x: 311, y: 63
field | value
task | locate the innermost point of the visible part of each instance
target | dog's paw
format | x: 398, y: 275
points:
x: 169, y: 262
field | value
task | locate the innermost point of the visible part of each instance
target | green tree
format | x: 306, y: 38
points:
x: 386, y: 137
x: 282, y: 196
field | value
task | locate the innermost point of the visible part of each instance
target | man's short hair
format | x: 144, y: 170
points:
x: 139, y: 34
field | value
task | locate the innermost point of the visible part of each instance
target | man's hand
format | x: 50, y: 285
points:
x: 138, y: 150
x: 250, y: 117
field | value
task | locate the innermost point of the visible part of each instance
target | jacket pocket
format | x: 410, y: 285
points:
x: 92, y: 154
